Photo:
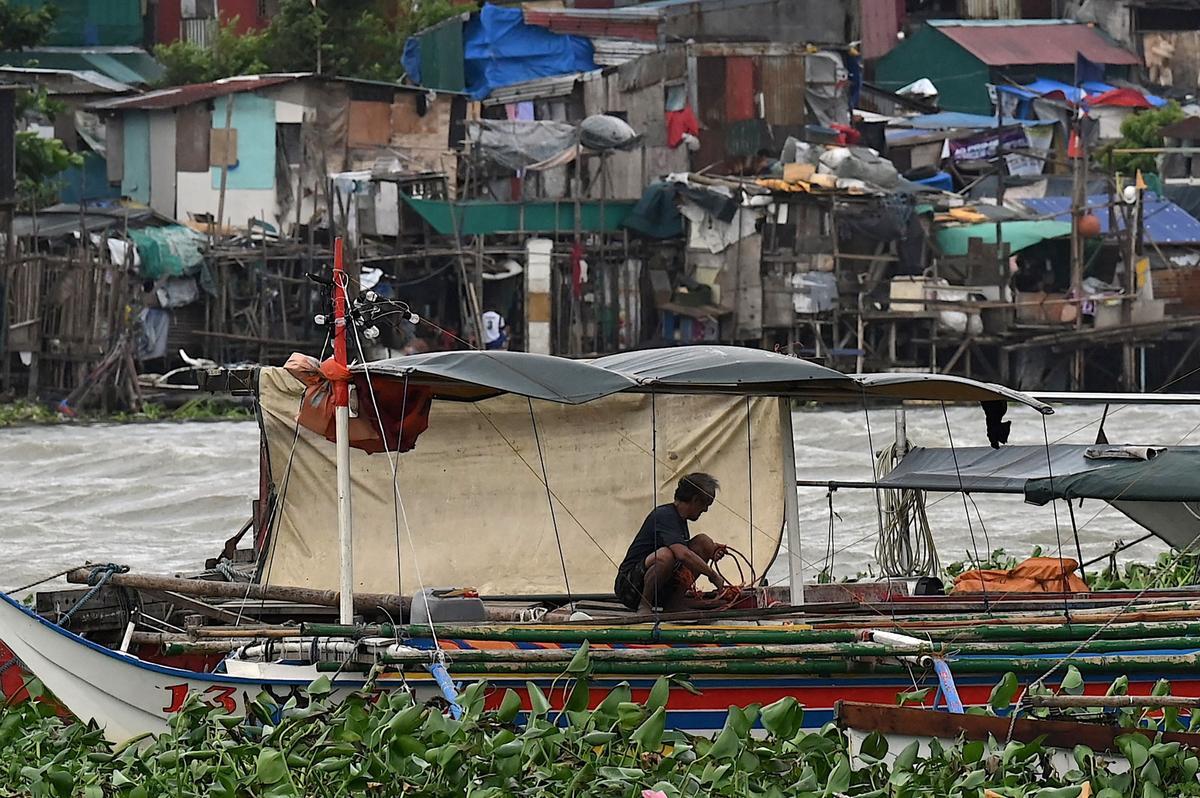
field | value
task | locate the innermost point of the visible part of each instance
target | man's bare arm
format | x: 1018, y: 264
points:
x: 695, y: 563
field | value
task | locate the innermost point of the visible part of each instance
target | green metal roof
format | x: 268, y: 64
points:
x: 480, y: 217
x: 130, y: 65
x: 1018, y: 235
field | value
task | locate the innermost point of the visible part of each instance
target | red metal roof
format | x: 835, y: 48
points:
x: 1015, y: 43
x: 195, y: 92
x: 617, y: 23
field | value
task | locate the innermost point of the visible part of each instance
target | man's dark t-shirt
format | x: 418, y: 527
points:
x: 664, y: 526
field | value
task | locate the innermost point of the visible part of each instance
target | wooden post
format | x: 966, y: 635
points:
x: 1078, y: 204
x: 225, y: 162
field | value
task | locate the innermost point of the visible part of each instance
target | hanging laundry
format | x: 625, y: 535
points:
x: 577, y: 269
x: 681, y: 123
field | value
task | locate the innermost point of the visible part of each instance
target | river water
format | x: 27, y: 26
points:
x: 163, y: 497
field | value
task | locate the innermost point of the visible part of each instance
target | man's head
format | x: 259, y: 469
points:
x: 695, y: 493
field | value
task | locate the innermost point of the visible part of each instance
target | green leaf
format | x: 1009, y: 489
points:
x: 510, y: 705
x: 322, y: 686
x: 1003, y: 693
x: 1120, y: 686
x: 579, y: 698
x: 973, y: 750
x: 270, y: 766
x: 649, y: 735
x: 630, y: 714
x: 539, y: 705
x: 599, y: 738
x: 727, y: 745
x: 582, y: 661
x: 509, y: 749
x: 1072, y: 683
x: 839, y: 778
x: 1083, y: 757
x: 620, y: 694
x: 782, y: 718
x: 972, y: 780
x: 913, y: 696
x: 907, y: 758
x: 873, y: 749
x: 659, y: 694
x: 1135, y: 748
x: 1059, y: 792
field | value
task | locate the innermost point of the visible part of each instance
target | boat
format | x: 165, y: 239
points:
x: 396, y: 570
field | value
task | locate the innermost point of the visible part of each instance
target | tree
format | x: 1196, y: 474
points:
x: 354, y: 38
x: 1142, y: 130
x: 22, y: 27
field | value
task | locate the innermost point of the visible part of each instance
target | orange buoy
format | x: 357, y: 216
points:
x: 1089, y: 225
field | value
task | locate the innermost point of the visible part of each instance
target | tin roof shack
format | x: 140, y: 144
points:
x: 263, y: 146
x: 962, y: 57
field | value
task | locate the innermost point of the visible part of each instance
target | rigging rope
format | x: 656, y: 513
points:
x: 905, y: 546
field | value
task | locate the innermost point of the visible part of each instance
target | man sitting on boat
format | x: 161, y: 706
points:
x: 664, y: 559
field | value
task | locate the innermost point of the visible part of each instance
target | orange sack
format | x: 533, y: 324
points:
x: 1035, y: 575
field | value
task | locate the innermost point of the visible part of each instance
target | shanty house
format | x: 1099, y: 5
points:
x: 262, y: 147
x: 961, y: 57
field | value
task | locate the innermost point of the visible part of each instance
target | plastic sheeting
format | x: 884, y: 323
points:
x: 499, y: 49
x: 475, y: 509
x: 170, y: 251
x: 519, y: 144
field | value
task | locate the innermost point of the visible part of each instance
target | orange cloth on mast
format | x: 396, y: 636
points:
x: 317, y: 407
x: 1034, y: 575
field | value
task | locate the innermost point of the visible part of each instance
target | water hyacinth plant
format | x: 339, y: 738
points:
x: 383, y: 743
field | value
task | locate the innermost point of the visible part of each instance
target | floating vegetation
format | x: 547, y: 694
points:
x: 21, y: 413
x: 383, y: 743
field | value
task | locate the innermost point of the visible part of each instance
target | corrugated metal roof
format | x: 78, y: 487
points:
x: 1166, y: 222
x: 195, y: 92
x: 66, y: 81
x: 614, y: 52
x: 540, y: 89
x: 638, y: 22
x: 1013, y: 42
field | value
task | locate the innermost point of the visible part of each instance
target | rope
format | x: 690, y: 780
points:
x: 98, y: 577
x: 550, y: 501
x: 963, y: 491
x: 905, y: 546
x: 50, y: 578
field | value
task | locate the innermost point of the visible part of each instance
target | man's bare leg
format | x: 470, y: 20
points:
x: 660, y: 570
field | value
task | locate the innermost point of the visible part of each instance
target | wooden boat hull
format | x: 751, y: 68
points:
x: 128, y: 696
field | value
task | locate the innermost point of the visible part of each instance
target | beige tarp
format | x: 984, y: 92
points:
x: 476, y: 505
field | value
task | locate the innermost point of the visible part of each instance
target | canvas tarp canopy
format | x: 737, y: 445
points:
x: 1018, y: 234
x: 1155, y: 493
x: 472, y: 375
x: 716, y: 367
x: 477, y: 508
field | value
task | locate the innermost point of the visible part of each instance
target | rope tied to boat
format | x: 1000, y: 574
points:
x: 97, y: 578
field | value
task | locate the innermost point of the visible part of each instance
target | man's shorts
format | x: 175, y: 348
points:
x: 628, y: 586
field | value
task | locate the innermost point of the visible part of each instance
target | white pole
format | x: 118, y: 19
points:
x: 791, y: 502
x: 341, y: 420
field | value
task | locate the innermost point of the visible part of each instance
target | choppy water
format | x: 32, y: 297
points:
x: 163, y: 497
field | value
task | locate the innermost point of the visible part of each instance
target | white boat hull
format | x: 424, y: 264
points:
x: 128, y: 696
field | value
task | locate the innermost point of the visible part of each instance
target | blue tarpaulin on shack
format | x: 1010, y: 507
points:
x: 1165, y: 222
x: 499, y: 49
x: 492, y: 49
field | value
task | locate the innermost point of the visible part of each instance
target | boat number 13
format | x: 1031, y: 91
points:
x: 215, y: 697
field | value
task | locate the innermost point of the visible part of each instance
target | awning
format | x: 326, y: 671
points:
x: 483, y: 217
x: 469, y: 376
x: 720, y: 369
x: 943, y: 388
x: 1018, y: 235
x: 1059, y: 471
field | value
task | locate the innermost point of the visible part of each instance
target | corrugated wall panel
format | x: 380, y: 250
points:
x: 782, y: 79
x: 879, y: 23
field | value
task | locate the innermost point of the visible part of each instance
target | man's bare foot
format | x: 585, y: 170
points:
x: 645, y: 609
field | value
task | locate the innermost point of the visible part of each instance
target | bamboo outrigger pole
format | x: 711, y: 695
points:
x: 791, y: 502
x: 341, y: 403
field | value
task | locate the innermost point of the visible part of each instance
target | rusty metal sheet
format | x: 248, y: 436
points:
x: 783, y: 84
x: 1033, y: 42
x: 879, y: 24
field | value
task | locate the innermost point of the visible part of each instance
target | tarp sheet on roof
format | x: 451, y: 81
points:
x: 1173, y: 476
x: 170, y: 251
x: 475, y: 375
x: 499, y: 49
x: 713, y: 367
x: 1165, y: 222
x: 1019, y: 235
x: 949, y: 120
x: 483, y: 217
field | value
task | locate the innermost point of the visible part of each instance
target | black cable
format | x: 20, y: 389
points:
x: 966, y: 510
x: 1057, y: 532
x: 749, y: 475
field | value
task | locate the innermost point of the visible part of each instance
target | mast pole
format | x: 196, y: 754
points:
x: 791, y: 502
x: 341, y: 418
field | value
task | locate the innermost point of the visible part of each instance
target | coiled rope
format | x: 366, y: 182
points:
x: 905, y: 546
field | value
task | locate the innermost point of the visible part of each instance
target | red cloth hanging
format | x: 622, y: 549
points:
x: 403, y: 414
x: 1120, y: 98
x: 681, y: 122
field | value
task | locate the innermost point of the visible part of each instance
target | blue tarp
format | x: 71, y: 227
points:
x: 1166, y: 222
x: 942, y: 180
x: 1044, y: 86
x: 499, y: 49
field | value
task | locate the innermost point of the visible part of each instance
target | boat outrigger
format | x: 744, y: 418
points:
x: 487, y: 549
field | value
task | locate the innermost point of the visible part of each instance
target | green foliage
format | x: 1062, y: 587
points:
x: 386, y: 744
x: 1142, y: 129
x: 21, y: 413
x: 1170, y: 569
x: 39, y: 163
x: 22, y: 27
x: 354, y: 38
